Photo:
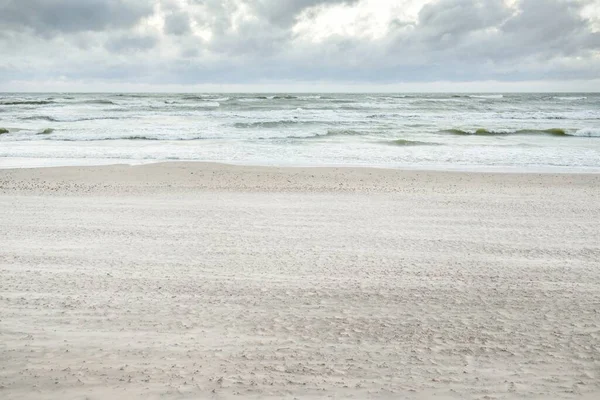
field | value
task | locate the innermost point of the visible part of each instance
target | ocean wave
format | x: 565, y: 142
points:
x: 329, y: 133
x: 194, y: 98
x: 486, y: 96
x: 89, y: 119
x: 404, y: 142
x: 342, y: 101
x: 3, y: 131
x: 97, y: 101
x: 378, y: 116
x: 134, y: 137
x: 269, y: 124
x: 426, y: 100
x: 46, y: 131
x: 251, y: 99
x: 280, y: 97
x: 39, y: 118
x: 26, y: 103
x: 52, y: 119
x: 343, y: 132
x: 545, y: 115
x: 206, y: 98
x: 549, y: 117
x: 569, y: 98
x: 209, y: 104
x: 588, y: 132
x: 486, y: 132
x: 204, y: 103
x: 392, y: 115
x: 137, y: 137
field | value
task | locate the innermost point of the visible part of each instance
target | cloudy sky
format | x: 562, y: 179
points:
x: 300, y: 45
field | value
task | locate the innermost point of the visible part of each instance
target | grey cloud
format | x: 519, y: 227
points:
x: 283, y: 13
x: 551, y: 25
x: 487, y: 30
x: 131, y: 42
x: 177, y: 23
x: 265, y: 34
x: 47, y: 17
x: 177, y: 20
x: 251, y: 37
x: 449, y: 40
x: 277, y: 12
x: 458, y: 17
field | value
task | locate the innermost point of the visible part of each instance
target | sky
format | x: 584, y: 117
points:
x: 300, y: 45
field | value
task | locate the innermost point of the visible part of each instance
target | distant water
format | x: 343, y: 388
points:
x: 524, y: 132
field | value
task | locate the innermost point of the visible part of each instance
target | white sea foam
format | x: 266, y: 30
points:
x: 570, y: 98
x: 486, y: 96
x: 588, y: 132
x: 251, y: 99
x: 209, y: 104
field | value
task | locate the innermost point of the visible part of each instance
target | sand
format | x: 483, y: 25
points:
x: 193, y: 281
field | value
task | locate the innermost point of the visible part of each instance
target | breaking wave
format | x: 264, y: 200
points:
x: 570, y: 98
x: 343, y: 132
x: 52, y: 119
x: 251, y: 99
x: 204, y: 101
x: 486, y: 132
x: 90, y: 119
x: 272, y: 124
x: 196, y: 98
x: 209, y: 104
x: 588, y: 132
x: 584, y: 132
x: 404, y: 142
x: 135, y: 137
x: 26, y: 102
x: 98, y: 101
x: 329, y: 133
x: 279, y: 97
x: 392, y: 115
x: 40, y: 118
x: 486, y: 96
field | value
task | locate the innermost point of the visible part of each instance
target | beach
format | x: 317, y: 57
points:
x: 202, y: 280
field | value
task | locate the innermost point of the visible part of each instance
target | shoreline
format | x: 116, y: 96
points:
x: 77, y: 163
x: 191, y: 176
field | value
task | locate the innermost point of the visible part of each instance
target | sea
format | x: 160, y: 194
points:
x: 541, y: 132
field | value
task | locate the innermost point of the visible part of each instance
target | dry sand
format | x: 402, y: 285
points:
x: 179, y: 280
